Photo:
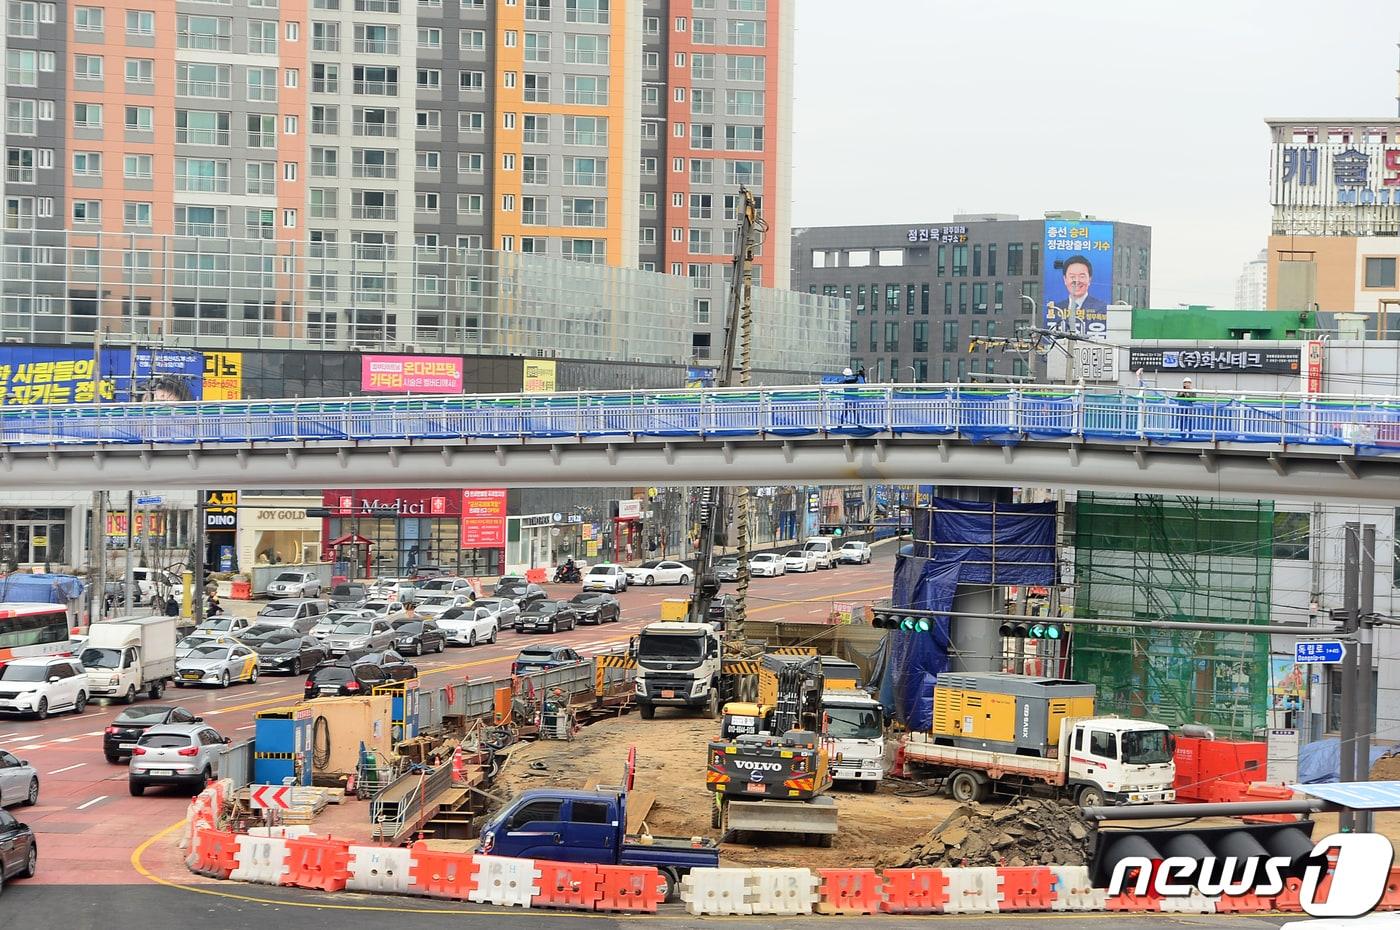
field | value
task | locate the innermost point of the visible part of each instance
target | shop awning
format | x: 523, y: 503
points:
x: 351, y: 539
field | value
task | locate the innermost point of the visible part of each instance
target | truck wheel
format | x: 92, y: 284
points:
x: 130, y: 696
x: 711, y: 709
x: 824, y: 840
x: 966, y: 787
x: 648, y: 711
x: 716, y: 816
x: 870, y: 787
x: 1091, y: 796
x: 671, y: 885
x: 157, y: 689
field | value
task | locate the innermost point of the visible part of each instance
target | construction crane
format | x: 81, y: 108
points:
x: 736, y: 364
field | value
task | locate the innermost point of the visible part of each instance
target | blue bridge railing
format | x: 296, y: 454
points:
x: 988, y: 413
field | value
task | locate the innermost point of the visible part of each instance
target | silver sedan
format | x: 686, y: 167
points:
x: 219, y: 665
x: 19, y: 782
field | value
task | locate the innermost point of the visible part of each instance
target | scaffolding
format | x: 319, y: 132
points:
x: 1151, y: 557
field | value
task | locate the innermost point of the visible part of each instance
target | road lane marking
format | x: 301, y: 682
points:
x: 248, y: 727
x: 68, y: 768
x: 30, y: 746
x: 67, y: 739
x: 96, y: 800
x: 8, y: 735
x: 94, y: 733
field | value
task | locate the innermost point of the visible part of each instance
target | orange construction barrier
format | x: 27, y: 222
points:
x: 1030, y: 888
x: 566, y: 884
x: 914, y: 891
x: 1390, y: 900
x: 316, y: 862
x: 536, y: 575
x: 442, y: 874
x: 1243, y: 904
x: 850, y: 891
x: 1128, y: 901
x: 629, y: 888
x: 213, y: 853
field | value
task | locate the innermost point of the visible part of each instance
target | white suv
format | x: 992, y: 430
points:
x: 41, y: 685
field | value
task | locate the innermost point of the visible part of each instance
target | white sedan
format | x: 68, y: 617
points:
x: 467, y: 625
x: 855, y: 553
x: 800, y: 560
x: 659, y: 571
x: 434, y: 605
x: 766, y: 564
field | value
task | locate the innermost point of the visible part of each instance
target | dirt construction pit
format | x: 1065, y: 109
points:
x: 671, y: 760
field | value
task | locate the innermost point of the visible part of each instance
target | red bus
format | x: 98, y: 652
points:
x: 33, y: 630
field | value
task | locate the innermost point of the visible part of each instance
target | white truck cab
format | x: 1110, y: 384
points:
x: 855, y: 727
x: 678, y: 665
x: 824, y: 548
x: 125, y: 657
x: 1116, y: 760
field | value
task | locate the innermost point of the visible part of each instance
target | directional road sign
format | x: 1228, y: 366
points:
x: 149, y: 501
x: 1358, y: 795
x: 1318, y: 652
x: 270, y: 797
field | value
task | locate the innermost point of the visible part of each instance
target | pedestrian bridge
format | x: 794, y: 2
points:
x: 1282, y: 446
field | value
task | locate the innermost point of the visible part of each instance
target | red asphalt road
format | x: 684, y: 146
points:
x: 87, y: 825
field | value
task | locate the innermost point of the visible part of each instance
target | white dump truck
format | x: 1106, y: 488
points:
x: 126, y: 657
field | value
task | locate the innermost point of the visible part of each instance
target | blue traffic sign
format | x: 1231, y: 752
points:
x: 149, y: 501
x: 1328, y: 652
x: 1362, y: 795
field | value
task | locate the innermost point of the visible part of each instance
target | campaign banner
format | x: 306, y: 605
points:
x: 1078, y: 276
x: 539, y: 376
x: 411, y: 374
x: 223, y: 376
x: 34, y: 376
x: 169, y: 375
x: 483, y: 518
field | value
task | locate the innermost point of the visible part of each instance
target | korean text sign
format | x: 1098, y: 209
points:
x: 1078, y: 274
x: 411, y: 374
x: 483, y: 518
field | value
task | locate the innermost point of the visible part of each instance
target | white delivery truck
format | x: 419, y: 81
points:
x: 127, y: 656
x: 855, y: 727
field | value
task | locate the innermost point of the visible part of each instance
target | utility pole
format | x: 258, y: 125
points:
x: 1351, y: 601
x: 97, y: 556
x: 128, y: 575
x: 1365, y: 690
x: 738, y: 343
x: 201, y: 544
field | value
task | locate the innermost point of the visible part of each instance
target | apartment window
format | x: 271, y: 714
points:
x: 585, y: 90
x: 702, y: 136
x: 476, y: 122
x: 703, y: 32
x: 751, y: 68
x: 586, y: 11
x: 700, y: 276
x: 375, y: 6
x: 376, y: 40
x: 589, y: 251
x: 1014, y: 257
x: 429, y: 79
x: 205, y: 80
x: 429, y: 38
x: 140, y: 71
x: 471, y: 204
x: 322, y: 203
x: 471, y: 80
x: 585, y: 211
x: 262, y: 84
x: 475, y: 162
x: 648, y: 200
x: 584, y: 171
x: 508, y: 79
x: 207, y: 33
x: 425, y: 202
x: 21, y: 68
x: 136, y: 215
x: 743, y: 138
x: 262, y: 131
x: 87, y: 211
x: 702, y: 102
x: 325, y: 79
x: 646, y: 236
x: 89, y: 18
x: 429, y: 162
x: 260, y: 177
x: 325, y: 120
x: 586, y: 49
x: 747, y: 173
x: 87, y: 164
x: 750, y: 32
x: 137, y: 167
x: 262, y: 37
x: 375, y: 163
x: 924, y: 299
x: 205, y: 175
x: 702, y: 171
x: 700, y: 242
x: 962, y: 297
x: 374, y: 205
x: 998, y: 297
x: 324, y: 162
x: 702, y: 66
x: 536, y: 46
x: 87, y: 116
x: 471, y: 40
x: 87, y: 67
x: 702, y: 206
x: 680, y: 24
x: 201, y: 127
x: 19, y: 166
x: 507, y: 203
x: 585, y: 130
x: 429, y: 120
x: 536, y: 88
x: 744, y: 102
x: 258, y: 223
x: 537, y: 11
x: 1291, y: 536
x: 534, y: 211
x: 325, y: 37
x: 651, y: 96
x: 138, y: 22
x: 1380, y: 272
x: 376, y: 80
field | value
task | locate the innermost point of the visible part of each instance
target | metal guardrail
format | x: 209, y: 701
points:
x: 236, y: 763
x: 983, y: 412
x: 406, y: 800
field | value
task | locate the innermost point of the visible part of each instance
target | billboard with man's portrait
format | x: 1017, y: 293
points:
x: 1078, y: 275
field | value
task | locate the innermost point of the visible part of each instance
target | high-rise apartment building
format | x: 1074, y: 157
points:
x: 313, y: 144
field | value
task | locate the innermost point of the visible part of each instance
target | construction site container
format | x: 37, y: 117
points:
x: 341, y: 724
x: 1006, y: 713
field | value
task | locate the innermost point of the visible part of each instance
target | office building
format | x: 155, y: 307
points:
x: 1252, y: 286
x: 922, y: 294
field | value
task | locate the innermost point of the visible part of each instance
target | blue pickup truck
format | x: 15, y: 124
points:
x: 589, y: 826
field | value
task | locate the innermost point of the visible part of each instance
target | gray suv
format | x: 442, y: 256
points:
x: 294, y: 584
x: 291, y: 612
x: 185, y: 754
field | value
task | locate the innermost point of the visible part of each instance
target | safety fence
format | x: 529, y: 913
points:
x: 236, y: 763
x: 307, y: 861
x: 981, y: 413
x: 403, y: 800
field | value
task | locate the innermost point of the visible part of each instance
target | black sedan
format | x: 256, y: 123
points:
x: 523, y: 593
x: 596, y: 607
x: 281, y: 649
x: 349, y: 596
x: 394, y: 665
x: 121, y: 734
x: 342, y: 679
x: 547, y: 617
x: 418, y: 637
x: 19, y: 853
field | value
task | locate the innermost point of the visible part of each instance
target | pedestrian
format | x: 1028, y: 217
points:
x: 848, y: 402
x: 172, y: 606
x: 1185, y: 398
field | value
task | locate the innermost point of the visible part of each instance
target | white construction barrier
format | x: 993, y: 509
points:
x: 717, y: 892
x: 380, y: 869
x: 506, y: 882
x: 261, y: 859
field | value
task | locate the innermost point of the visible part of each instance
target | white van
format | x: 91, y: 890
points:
x: 824, y: 548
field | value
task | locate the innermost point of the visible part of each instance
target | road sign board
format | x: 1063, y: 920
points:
x: 1320, y: 652
x: 1358, y: 795
x: 149, y: 501
x: 270, y: 797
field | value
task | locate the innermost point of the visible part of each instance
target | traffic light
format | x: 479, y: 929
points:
x: 890, y: 618
x: 1036, y: 629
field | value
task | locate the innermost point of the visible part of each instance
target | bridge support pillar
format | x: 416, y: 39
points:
x: 976, y: 644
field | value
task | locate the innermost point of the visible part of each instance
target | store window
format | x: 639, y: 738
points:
x: 33, y: 535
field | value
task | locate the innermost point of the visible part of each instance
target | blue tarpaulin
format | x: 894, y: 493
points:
x: 1320, y: 762
x: 23, y: 588
x: 958, y: 542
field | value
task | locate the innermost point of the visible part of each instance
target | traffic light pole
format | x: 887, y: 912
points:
x: 1365, y: 689
x: 1256, y: 628
x: 1351, y: 600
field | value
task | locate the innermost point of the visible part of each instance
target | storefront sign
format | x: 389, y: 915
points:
x: 1251, y: 361
x: 407, y: 503
x: 629, y: 510
x: 539, y: 376
x: 223, y: 375
x: 221, y: 510
x: 116, y: 523
x: 484, y: 518
x: 1314, y: 355
x: 225, y: 558
x: 411, y: 374
x: 938, y: 234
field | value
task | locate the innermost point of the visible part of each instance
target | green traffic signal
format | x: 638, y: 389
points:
x: 1053, y: 631
x: 1037, y: 630
x: 922, y: 626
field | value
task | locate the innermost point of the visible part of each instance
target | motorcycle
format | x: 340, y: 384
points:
x: 567, y: 573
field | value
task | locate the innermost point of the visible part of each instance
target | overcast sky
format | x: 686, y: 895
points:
x: 908, y: 111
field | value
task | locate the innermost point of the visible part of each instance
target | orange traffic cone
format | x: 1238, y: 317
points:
x: 459, y: 774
